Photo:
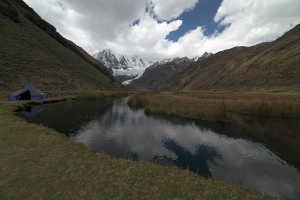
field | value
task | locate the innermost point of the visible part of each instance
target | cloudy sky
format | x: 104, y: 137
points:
x: 158, y: 29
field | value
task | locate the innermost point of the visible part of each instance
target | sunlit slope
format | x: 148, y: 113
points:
x: 268, y: 66
x: 32, y: 51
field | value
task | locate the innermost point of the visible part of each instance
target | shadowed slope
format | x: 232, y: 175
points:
x: 32, y: 51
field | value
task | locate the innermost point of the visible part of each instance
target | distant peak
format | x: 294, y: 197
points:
x: 207, y: 54
x: 107, y: 50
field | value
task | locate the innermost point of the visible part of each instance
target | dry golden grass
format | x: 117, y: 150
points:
x: 174, y: 105
x: 273, y: 108
x: 212, y: 106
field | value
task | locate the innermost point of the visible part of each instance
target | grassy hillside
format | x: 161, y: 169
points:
x: 32, y: 51
x: 268, y: 66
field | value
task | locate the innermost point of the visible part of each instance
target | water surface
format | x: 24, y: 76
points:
x: 257, y: 153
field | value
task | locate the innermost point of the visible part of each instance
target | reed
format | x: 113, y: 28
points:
x: 215, y: 107
x: 160, y: 104
x: 99, y: 95
x: 276, y: 108
x: 214, y: 112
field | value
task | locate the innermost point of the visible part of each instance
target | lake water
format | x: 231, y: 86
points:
x: 258, y: 153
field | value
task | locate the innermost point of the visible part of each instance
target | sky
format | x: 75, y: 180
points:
x: 159, y: 29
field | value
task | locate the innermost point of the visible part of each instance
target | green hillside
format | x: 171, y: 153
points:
x: 32, y: 51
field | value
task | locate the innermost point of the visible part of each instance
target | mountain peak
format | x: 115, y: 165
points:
x: 204, y: 55
x: 125, y: 68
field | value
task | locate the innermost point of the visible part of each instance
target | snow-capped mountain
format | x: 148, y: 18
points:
x: 162, y: 62
x: 127, y: 68
x: 178, y: 60
x: 113, y: 60
x: 124, y: 68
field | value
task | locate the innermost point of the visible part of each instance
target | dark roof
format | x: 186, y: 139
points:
x: 29, y: 85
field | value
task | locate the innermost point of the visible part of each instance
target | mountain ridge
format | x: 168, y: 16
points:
x: 126, y: 68
x: 130, y: 68
x: 157, y: 75
x: 264, y: 66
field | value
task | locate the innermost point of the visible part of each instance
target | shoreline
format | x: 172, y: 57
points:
x: 39, y: 162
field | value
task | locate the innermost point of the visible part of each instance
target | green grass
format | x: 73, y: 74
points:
x: 39, y: 163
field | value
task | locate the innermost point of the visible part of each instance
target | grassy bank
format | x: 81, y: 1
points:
x: 39, y: 163
x: 169, y: 104
x: 216, y: 107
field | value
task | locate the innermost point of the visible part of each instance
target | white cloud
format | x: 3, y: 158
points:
x: 93, y: 24
x: 171, y: 9
x: 99, y: 24
x: 145, y: 37
x: 257, y: 21
x: 248, y: 23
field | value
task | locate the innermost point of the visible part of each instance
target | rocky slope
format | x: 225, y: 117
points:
x: 198, y: 58
x: 157, y: 75
x: 32, y: 51
x: 266, y: 66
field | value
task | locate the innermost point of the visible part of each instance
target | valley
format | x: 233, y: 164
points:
x: 220, y: 125
x: 270, y: 67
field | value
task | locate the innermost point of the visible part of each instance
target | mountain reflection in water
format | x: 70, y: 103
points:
x: 258, y: 153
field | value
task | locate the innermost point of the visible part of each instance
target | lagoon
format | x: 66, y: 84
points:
x: 258, y: 153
